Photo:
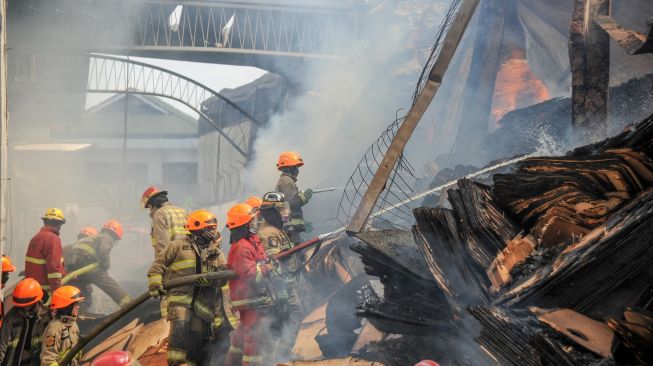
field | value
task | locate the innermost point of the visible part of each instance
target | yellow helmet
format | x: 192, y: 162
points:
x: 54, y: 214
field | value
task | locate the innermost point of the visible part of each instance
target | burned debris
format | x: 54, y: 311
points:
x: 549, y: 265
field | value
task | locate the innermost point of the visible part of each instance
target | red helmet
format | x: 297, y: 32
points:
x: 113, y: 358
x: 27, y: 292
x: 149, y: 193
x: 114, y: 227
x: 427, y: 363
x: 86, y: 231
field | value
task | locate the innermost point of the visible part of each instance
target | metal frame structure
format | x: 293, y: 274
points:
x: 207, y: 31
x: 110, y: 74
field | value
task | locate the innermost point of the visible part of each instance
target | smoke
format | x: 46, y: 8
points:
x: 344, y: 104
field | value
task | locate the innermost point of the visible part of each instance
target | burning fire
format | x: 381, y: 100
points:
x: 516, y: 86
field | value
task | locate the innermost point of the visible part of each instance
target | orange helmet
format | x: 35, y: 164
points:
x: 254, y: 201
x: 27, y: 292
x: 288, y: 159
x: 64, y: 296
x: 149, y: 193
x: 239, y: 215
x: 7, y: 266
x: 86, y: 231
x: 114, y: 227
x: 201, y: 219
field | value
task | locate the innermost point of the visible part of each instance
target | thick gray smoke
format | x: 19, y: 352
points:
x: 345, y: 104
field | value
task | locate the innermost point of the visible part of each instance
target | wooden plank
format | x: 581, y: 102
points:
x: 589, y: 56
x: 376, y: 186
x: 633, y: 42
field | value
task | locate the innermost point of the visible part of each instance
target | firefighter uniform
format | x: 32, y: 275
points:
x: 191, y: 308
x: 167, y: 225
x: 275, y: 241
x: 246, y: 257
x: 287, y: 185
x: 95, y: 250
x: 44, y: 259
x: 20, y: 337
x: 59, y: 337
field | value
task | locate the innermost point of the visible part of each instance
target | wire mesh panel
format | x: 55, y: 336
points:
x: 109, y: 74
x: 393, y: 206
x: 448, y: 20
x: 399, y: 187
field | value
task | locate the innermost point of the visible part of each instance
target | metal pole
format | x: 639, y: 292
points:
x: 4, y: 126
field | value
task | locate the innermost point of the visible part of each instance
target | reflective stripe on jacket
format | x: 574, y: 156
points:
x: 167, y: 225
x: 180, y: 259
x: 44, y: 260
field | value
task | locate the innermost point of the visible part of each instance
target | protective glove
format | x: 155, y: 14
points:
x: 156, y: 290
x: 308, y: 194
x: 308, y: 227
x: 202, y: 282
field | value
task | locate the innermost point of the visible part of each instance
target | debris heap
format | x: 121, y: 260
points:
x: 550, y: 265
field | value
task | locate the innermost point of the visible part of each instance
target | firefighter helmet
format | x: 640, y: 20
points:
x: 201, y: 219
x: 54, y: 214
x: 27, y: 292
x: 115, y: 227
x: 114, y: 358
x: 239, y: 215
x: 7, y: 266
x: 149, y: 193
x: 427, y: 363
x: 254, y: 201
x: 64, y: 296
x: 289, y: 159
x: 86, y: 231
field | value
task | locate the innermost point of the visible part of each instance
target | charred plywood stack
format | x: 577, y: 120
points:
x: 552, y: 265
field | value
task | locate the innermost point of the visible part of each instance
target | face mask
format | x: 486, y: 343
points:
x: 254, y: 225
x: 285, y: 212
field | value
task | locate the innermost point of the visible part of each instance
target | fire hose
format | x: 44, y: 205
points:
x: 133, y: 304
x: 168, y: 284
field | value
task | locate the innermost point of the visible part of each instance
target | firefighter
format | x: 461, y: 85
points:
x: 62, y: 333
x: 289, y: 163
x: 167, y: 220
x: 93, y: 254
x: 192, y: 309
x: 44, y: 259
x: 86, y: 231
x: 275, y: 213
x: 248, y: 295
x: 7, y: 267
x: 20, y: 337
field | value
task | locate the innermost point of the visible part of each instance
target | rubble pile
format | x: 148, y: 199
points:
x: 549, y: 265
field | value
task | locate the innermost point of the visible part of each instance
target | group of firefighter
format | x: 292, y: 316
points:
x: 256, y: 314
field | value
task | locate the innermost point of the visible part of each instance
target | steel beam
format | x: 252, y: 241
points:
x: 378, y: 183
